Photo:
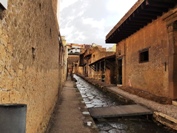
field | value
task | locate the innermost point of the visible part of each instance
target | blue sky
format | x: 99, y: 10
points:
x: 89, y: 21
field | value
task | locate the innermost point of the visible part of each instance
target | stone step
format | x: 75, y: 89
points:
x: 166, y: 120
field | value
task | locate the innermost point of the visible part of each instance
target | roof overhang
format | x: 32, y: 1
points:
x: 142, y: 13
x: 110, y: 59
x: 102, y: 59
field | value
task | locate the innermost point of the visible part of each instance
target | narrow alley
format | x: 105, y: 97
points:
x: 68, y: 117
x: 60, y: 78
x: 141, y: 66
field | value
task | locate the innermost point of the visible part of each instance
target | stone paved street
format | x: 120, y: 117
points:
x: 69, y: 118
x: 94, y: 98
x: 167, y: 109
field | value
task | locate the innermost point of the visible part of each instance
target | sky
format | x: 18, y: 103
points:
x: 89, y: 21
x: 4, y: 3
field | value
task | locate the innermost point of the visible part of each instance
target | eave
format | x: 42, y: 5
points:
x: 141, y: 14
x: 104, y: 58
x: 107, y: 61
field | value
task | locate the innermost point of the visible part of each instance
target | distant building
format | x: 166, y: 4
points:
x: 74, y: 48
x: 74, y: 51
x: 96, y: 65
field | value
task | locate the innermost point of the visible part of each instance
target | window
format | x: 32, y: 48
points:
x: 144, y: 56
x: 33, y: 52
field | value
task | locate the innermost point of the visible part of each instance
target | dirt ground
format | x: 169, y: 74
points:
x: 147, y: 95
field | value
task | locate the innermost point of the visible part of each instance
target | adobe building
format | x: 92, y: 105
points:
x: 97, y: 63
x: 81, y: 62
x: 29, y: 59
x: 98, y: 68
x: 146, y: 51
x: 86, y: 58
x: 104, y: 68
x: 74, y: 48
x: 74, y: 51
x: 83, y: 59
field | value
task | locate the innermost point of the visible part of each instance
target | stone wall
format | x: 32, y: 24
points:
x: 64, y: 54
x: 29, y: 59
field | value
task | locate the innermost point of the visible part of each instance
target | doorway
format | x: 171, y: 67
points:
x: 119, y: 76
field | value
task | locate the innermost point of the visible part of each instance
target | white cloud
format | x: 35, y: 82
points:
x: 88, y: 21
x: 80, y: 13
x: 79, y: 36
x: 66, y: 3
x: 67, y: 29
x: 119, y: 6
x: 98, y: 24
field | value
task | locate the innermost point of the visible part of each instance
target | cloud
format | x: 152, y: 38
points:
x: 66, y: 3
x: 119, y: 6
x: 67, y: 29
x: 89, y: 21
x: 97, y: 24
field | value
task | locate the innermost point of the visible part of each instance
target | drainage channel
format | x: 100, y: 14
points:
x: 93, y: 98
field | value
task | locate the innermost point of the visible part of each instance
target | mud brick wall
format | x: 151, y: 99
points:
x: 151, y: 76
x: 29, y: 59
